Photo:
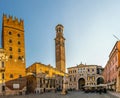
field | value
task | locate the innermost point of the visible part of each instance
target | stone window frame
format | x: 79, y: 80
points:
x: 19, y: 43
x: 3, y: 76
x: 2, y: 63
x: 10, y: 48
x: 10, y: 33
x: 18, y: 34
x: 70, y: 79
x: 20, y: 76
x: 10, y: 40
x: 3, y: 87
x: 74, y: 79
x: 10, y: 56
x: 88, y: 70
x: 11, y: 75
x: 19, y: 50
x: 19, y: 58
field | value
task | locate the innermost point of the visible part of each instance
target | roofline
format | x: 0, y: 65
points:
x: 113, y: 48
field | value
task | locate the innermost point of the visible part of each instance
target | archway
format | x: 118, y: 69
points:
x: 81, y: 83
x: 100, y: 80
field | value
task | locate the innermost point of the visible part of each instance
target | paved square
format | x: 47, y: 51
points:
x: 73, y: 94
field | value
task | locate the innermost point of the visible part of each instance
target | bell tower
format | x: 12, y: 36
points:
x: 13, y: 43
x: 60, y: 48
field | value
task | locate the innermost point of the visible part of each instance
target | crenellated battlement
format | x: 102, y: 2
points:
x: 11, y: 21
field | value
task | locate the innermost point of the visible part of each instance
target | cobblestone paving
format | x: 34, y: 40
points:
x: 74, y: 94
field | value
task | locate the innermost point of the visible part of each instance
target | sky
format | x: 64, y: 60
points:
x: 89, y: 26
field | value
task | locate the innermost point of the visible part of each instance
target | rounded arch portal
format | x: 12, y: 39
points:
x: 81, y: 83
x: 100, y: 80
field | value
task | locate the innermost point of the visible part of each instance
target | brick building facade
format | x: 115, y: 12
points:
x: 13, y: 44
x: 111, y: 71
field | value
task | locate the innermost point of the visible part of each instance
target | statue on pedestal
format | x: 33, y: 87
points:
x: 64, y: 90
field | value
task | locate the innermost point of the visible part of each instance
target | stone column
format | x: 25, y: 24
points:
x: 38, y: 82
x: 41, y: 88
x: 38, y: 85
x: 77, y: 84
x: 48, y: 83
x: 42, y: 82
x: 52, y: 83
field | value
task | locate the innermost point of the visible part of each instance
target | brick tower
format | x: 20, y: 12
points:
x: 13, y: 43
x: 60, y: 48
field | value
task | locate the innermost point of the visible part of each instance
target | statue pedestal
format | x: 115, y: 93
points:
x: 64, y: 91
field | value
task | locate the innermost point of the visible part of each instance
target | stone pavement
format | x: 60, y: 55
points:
x: 72, y: 94
x: 114, y: 93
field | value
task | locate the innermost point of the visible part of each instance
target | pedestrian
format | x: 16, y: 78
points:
x: 100, y: 91
x: 44, y: 90
x: 105, y: 90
